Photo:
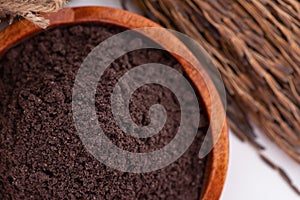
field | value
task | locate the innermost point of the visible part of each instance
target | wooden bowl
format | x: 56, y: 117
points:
x: 218, y: 158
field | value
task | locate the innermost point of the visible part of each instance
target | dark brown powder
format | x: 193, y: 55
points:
x: 41, y: 155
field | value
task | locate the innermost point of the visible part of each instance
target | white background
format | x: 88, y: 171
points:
x: 248, y: 177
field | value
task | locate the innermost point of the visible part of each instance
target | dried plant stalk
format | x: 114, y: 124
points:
x: 29, y: 9
x: 256, y: 46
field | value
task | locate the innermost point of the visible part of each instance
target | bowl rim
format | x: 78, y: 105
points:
x: 216, y: 169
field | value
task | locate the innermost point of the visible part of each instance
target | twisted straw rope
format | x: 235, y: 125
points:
x: 29, y: 9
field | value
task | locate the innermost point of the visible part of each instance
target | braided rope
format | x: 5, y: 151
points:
x: 29, y: 9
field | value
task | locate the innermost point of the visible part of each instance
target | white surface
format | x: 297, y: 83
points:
x: 107, y: 3
x: 249, y: 178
